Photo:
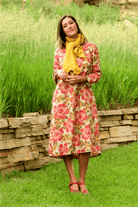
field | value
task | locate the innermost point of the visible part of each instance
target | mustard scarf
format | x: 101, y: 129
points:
x: 73, y: 51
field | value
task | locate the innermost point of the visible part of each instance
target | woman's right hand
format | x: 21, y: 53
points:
x: 62, y: 74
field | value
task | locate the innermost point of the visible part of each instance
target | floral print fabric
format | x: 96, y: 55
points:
x: 74, y: 124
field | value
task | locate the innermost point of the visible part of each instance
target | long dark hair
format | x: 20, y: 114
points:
x: 60, y: 33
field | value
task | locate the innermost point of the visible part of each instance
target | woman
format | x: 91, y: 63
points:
x: 74, y: 131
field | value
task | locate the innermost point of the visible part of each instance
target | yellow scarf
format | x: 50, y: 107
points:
x: 73, y: 50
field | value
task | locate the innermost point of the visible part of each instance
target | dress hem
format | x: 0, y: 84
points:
x: 76, y: 155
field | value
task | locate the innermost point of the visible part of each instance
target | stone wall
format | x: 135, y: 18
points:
x: 24, y: 141
x: 128, y: 4
x: 125, y: 4
x: 118, y: 127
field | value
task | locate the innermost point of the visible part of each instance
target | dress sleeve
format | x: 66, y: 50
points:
x: 95, y: 74
x: 56, y: 66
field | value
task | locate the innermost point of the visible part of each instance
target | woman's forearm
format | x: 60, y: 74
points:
x: 84, y: 79
x: 75, y: 79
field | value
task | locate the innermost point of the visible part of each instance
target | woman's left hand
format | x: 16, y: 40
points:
x: 75, y: 79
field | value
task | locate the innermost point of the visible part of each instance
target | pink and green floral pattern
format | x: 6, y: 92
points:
x: 74, y: 124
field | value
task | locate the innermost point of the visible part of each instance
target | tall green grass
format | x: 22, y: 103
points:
x: 27, y: 85
x: 27, y: 53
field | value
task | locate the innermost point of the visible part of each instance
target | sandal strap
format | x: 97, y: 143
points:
x: 84, y: 191
x: 81, y: 183
x: 72, y: 183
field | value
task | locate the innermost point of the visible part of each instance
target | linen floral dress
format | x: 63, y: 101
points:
x: 74, y: 124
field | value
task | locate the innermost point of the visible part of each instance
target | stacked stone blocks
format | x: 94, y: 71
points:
x: 118, y: 127
x: 24, y: 141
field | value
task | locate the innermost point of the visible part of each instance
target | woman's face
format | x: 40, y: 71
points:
x: 70, y: 28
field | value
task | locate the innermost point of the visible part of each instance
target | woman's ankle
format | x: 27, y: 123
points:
x: 81, y: 180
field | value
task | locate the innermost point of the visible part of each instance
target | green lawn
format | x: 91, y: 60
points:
x: 111, y: 179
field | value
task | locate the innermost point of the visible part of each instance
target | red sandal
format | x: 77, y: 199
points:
x: 84, y: 191
x: 71, y: 189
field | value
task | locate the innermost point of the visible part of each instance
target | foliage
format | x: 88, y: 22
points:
x: 27, y: 39
x: 88, y: 13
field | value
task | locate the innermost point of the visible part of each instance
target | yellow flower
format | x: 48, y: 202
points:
x: 69, y: 138
x: 54, y: 145
x: 58, y: 99
x: 58, y: 123
x: 64, y: 138
x: 84, y: 66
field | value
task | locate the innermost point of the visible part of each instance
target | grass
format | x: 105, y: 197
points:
x: 111, y: 180
x: 88, y: 13
x: 28, y: 37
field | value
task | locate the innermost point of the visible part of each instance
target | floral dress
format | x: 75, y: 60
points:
x: 74, y: 123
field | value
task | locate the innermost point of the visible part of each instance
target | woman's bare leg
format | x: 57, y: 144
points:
x: 69, y: 165
x: 83, y: 164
